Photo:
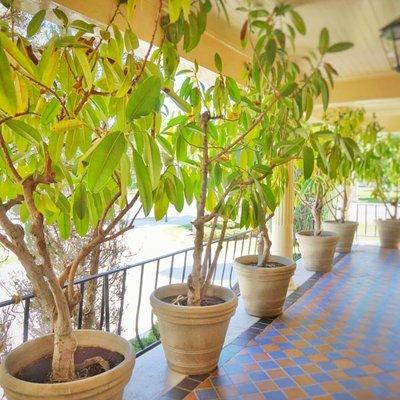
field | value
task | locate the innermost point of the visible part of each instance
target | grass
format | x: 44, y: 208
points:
x: 147, y: 339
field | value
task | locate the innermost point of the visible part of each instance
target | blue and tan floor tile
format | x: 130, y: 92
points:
x: 340, y: 340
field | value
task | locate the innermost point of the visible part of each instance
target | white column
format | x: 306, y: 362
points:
x: 282, y: 222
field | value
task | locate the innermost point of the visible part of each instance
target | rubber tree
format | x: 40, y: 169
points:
x: 79, y: 117
x: 380, y: 167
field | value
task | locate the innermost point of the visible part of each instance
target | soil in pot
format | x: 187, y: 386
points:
x: 39, y: 371
x: 182, y: 301
x: 269, y: 264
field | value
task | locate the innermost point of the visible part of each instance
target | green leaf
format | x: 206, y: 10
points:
x: 8, y: 98
x: 153, y: 159
x: 308, y: 162
x: 298, y: 22
x: 188, y: 186
x: 11, y: 48
x: 233, y: 89
x: 26, y: 131
x: 86, y: 69
x: 324, y: 94
x: 218, y: 62
x: 161, y: 205
x: 61, y: 15
x: 66, y: 124
x: 80, y: 210
x: 341, y: 46
x: 50, y: 112
x: 64, y: 225
x: 144, y: 99
x: 174, y: 10
x: 323, y: 41
x: 143, y: 182
x: 104, y: 160
x: 288, y: 89
x: 270, y: 52
x: 35, y: 23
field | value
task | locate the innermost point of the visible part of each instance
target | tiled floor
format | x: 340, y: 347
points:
x: 340, y: 340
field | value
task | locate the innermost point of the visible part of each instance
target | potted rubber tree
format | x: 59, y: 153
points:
x: 317, y: 191
x: 220, y: 157
x: 380, y: 167
x: 78, y: 120
x: 264, y: 278
x: 350, y: 124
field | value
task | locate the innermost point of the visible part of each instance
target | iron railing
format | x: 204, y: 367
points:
x: 122, y: 296
x: 366, y: 214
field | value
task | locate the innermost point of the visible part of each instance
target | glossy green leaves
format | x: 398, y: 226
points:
x: 104, y: 160
x: 36, y: 22
x: 144, y: 99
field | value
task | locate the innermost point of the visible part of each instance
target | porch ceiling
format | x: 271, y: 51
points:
x: 365, y: 76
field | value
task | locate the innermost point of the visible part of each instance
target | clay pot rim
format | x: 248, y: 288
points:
x: 129, y: 357
x: 354, y: 223
x: 289, y: 264
x: 229, y: 301
x: 324, y: 235
x: 388, y: 220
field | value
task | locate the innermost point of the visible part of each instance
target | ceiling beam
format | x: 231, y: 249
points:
x: 372, y: 87
x: 220, y: 36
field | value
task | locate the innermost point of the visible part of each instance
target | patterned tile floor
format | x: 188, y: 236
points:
x: 340, y: 340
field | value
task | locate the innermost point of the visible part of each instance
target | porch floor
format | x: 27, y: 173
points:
x: 340, y: 340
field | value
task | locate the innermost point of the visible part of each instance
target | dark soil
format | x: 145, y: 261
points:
x: 40, y: 370
x: 269, y: 264
x: 206, y: 301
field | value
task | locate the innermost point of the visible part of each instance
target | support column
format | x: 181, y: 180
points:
x: 282, y: 222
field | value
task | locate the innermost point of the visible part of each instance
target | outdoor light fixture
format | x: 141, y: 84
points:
x: 390, y: 36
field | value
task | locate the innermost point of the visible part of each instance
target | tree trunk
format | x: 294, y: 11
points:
x: 63, y: 364
x: 91, y: 291
x: 194, y: 280
x: 264, y: 246
x: 316, y: 212
x: 344, y: 208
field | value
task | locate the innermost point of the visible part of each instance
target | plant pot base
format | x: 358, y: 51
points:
x: 105, y: 386
x: 192, y: 337
x: 263, y: 289
x: 317, y: 252
x: 346, y: 231
x: 389, y: 233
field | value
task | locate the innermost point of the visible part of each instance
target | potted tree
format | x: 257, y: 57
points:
x: 380, y: 167
x: 78, y: 120
x: 350, y: 123
x: 220, y: 153
x: 264, y: 278
x: 317, y: 247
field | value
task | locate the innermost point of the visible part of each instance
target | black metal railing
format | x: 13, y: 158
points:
x: 366, y: 214
x: 121, y: 302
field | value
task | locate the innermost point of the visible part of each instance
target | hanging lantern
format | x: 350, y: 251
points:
x: 390, y: 36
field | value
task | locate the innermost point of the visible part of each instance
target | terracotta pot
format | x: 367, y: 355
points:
x: 106, y: 386
x: 317, y: 252
x: 346, y: 231
x: 389, y: 232
x: 263, y: 289
x: 192, y: 337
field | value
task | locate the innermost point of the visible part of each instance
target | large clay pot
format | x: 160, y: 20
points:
x: 317, y: 252
x: 263, y: 289
x: 346, y: 231
x: 106, y: 386
x: 389, y: 232
x: 192, y: 337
